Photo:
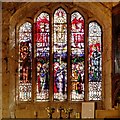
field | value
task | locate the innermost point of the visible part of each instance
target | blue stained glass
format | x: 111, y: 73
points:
x: 41, y: 38
x: 25, y: 62
x: 95, y: 61
x: 60, y: 55
x: 77, y: 56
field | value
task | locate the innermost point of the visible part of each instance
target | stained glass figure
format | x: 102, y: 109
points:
x: 95, y: 61
x: 41, y: 37
x: 25, y: 62
x: 60, y: 55
x: 77, y: 56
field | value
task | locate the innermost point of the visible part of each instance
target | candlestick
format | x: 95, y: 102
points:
x: 60, y: 110
x: 50, y: 111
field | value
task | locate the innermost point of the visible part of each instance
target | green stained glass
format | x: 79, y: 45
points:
x: 77, y: 56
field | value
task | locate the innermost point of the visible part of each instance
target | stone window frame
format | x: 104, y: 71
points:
x: 87, y: 21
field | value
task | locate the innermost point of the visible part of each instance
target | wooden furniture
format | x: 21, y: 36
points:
x: 116, y: 54
x: 107, y: 114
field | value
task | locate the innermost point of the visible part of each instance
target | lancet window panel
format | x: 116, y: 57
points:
x: 42, y: 48
x: 95, y: 61
x: 77, y: 56
x: 60, y: 55
x: 25, y: 62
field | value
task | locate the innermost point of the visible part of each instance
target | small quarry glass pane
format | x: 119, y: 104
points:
x: 77, y: 57
x: 25, y: 62
x: 95, y: 61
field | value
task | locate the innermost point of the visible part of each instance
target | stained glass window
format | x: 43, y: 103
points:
x: 60, y: 55
x: 61, y: 43
x: 95, y: 61
x: 41, y: 37
x: 25, y: 61
x: 77, y: 56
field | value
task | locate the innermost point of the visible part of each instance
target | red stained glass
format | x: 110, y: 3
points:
x: 77, y: 56
x: 41, y: 37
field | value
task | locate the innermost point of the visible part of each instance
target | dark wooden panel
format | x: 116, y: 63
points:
x: 116, y: 54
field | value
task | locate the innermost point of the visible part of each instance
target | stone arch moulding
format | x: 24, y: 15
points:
x: 20, y: 15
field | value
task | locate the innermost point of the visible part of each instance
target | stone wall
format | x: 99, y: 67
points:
x: 0, y: 60
x: 15, y: 13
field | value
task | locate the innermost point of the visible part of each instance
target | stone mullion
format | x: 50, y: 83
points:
x: 51, y: 61
x: 34, y: 74
x: 86, y: 83
x: 69, y: 52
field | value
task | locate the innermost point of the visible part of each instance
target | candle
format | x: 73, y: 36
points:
x: 77, y: 115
